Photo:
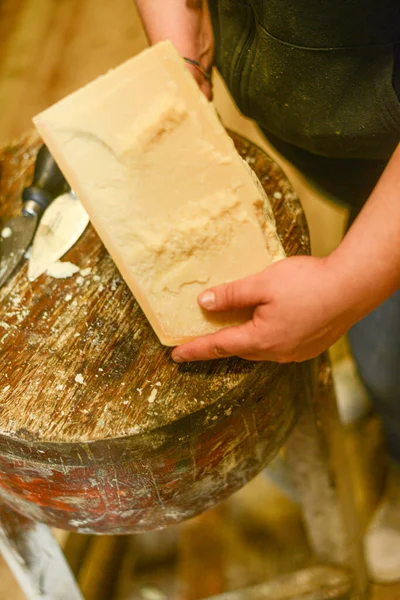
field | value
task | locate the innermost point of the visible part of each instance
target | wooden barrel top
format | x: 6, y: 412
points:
x: 79, y: 360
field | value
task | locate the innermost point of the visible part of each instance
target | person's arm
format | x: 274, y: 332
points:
x: 304, y: 304
x: 187, y: 24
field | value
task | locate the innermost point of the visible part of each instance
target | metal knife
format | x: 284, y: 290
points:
x: 17, y: 233
x: 59, y: 229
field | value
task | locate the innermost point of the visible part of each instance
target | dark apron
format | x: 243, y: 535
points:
x: 318, y: 77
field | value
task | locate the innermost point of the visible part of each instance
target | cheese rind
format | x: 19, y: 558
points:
x: 173, y: 202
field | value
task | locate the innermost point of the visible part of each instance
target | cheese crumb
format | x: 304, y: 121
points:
x: 152, y: 396
x: 6, y: 232
x: 150, y: 593
x: 6, y: 388
x: 79, y: 379
x: 86, y: 271
x: 61, y: 270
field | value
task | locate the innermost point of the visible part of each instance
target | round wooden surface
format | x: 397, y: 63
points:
x: 84, y: 382
x: 54, y: 332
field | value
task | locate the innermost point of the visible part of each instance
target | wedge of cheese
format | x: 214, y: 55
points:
x: 173, y: 202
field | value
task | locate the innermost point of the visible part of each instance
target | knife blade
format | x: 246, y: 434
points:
x: 17, y: 233
x: 62, y: 224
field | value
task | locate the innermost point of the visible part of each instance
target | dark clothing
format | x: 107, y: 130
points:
x: 322, y: 80
x: 376, y: 347
x: 317, y: 74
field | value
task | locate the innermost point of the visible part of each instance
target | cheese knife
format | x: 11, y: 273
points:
x: 62, y: 224
x: 17, y: 233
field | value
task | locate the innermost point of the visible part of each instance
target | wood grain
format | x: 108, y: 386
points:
x: 148, y: 441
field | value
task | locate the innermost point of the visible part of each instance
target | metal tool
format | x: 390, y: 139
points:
x: 59, y: 229
x: 17, y: 233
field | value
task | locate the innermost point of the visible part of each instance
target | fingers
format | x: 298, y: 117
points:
x: 232, y: 341
x: 204, y: 84
x: 206, y: 88
x: 242, y: 293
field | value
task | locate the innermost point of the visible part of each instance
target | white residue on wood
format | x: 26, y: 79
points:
x: 152, y: 396
x: 79, y: 379
x: 6, y: 232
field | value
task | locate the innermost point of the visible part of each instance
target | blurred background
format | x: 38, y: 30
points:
x: 49, y: 48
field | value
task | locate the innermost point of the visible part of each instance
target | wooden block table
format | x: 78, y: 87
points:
x: 100, y: 432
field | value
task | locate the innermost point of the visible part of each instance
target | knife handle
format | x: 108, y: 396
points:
x: 48, y: 182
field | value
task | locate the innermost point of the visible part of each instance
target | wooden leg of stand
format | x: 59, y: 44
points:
x: 35, y: 558
x: 316, y: 453
x: 318, y: 583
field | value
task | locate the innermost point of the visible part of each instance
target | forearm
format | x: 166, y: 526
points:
x: 184, y: 22
x: 170, y: 19
x: 367, y: 262
x: 187, y: 24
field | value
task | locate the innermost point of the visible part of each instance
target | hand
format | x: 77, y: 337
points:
x: 300, y: 310
x: 187, y: 24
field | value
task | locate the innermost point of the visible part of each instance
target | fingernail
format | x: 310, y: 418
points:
x: 207, y: 299
x: 177, y: 358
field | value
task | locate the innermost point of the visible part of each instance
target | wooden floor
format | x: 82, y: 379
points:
x: 51, y: 47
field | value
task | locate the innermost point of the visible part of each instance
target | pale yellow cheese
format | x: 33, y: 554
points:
x: 173, y: 202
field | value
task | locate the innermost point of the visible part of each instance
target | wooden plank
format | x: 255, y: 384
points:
x: 123, y: 583
x: 317, y: 583
x: 75, y: 550
x: 52, y: 48
x: 266, y: 536
x: 9, y: 587
x: 201, y: 544
x: 9, y: 12
x: 35, y: 558
x: 22, y: 61
x: 98, y: 573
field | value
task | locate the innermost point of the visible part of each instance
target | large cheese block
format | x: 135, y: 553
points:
x: 173, y: 202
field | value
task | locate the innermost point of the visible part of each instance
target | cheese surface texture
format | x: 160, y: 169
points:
x: 173, y: 202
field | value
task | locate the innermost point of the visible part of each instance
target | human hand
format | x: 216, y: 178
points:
x: 187, y: 24
x: 300, y: 310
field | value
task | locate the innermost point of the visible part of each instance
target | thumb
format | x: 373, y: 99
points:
x: 242, y: 293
